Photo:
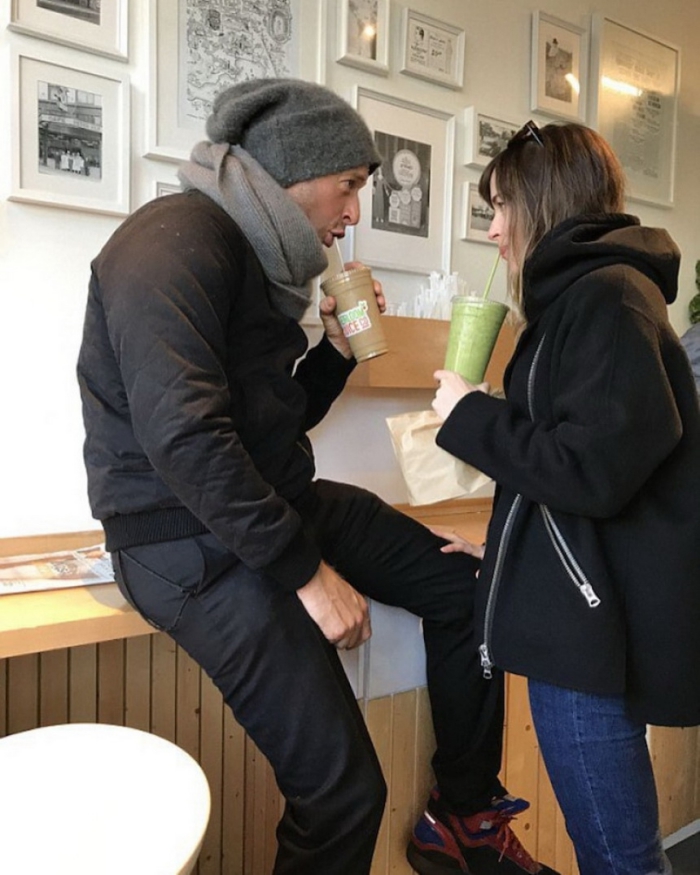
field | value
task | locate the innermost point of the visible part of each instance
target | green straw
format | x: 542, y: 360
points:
x: 490, y: 279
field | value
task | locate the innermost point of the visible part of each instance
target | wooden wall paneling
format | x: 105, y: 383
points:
x: 110, y: 682
x: 253, y: 793
x: 82, y: 684
x: 274, y: 809
x: 22, y: 693
x: 233, y: 798
x: 520, y: 771
x: 675, y: 786
x: 403, y: 763
x: 261, y: 814
x: 211, y: 757
x: 53, y: 687
x: 163, y: 674
x: 378, y: 716
x: 187, y: 697
x: 137, y: 683
x: 545, y: 846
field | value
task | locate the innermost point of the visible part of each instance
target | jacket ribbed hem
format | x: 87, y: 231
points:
x: 150, y: 527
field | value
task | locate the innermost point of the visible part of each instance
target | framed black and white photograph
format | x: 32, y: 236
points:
x: 406, y: 207
x: 635, y: 105
x: 198, y: 49
x: 484, y: 137
x: 432, y: 49
x: 70, y: 135
x: 476, y: 215
x: 363, y: 34
x: 99, y: 26
x: 559, y: 68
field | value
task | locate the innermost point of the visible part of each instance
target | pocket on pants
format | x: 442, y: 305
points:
x: 158, y: 580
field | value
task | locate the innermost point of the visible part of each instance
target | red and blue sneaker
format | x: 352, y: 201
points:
x: 477, y: 844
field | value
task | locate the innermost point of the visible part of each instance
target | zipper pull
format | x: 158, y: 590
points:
x: 486, y: 664
x: 589, y: 594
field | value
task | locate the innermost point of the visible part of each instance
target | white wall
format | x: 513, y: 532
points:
x: 45, y: 252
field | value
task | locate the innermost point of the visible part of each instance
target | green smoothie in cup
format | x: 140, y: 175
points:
x: 474, y: 328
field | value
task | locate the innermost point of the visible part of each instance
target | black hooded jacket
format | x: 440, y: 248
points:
x: 591, y: 578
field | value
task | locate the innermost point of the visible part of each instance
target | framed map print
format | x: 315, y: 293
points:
x: 199, y: 48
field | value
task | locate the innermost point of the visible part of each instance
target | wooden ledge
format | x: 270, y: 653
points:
x: 32, y: 622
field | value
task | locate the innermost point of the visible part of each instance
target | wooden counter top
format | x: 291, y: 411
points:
x: 34, y: 622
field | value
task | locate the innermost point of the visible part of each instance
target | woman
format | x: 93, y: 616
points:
x: 591, y: 577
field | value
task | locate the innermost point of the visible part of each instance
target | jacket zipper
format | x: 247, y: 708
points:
x: 484, y: 649
x: 571, y: 566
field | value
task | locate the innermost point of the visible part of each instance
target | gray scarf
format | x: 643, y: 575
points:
x: 275, y: 226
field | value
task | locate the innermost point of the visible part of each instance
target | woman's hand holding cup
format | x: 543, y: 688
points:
x: 451, y: 390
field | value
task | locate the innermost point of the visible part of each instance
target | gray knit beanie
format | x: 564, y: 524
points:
x: 296, y: 130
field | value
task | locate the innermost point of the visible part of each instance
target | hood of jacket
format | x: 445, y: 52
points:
x: 583, y: 244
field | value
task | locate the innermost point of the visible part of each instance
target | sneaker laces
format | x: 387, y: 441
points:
x: 506, y: 840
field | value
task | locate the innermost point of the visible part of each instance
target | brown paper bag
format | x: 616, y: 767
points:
x: 430, y: 473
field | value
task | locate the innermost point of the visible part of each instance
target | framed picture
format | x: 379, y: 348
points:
x: 559, y: 70
x: 476, y: 215
x: 406, y: 208
x: 363, y: 34
x: 199, y: 49
x: 163, y: 188
x: 99, y: 26
x: 432, y: 50
x: 484, y: 137
x: 70, y: 135
x: 635, y: 105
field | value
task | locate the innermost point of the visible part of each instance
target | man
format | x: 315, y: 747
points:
x: 202, y: 475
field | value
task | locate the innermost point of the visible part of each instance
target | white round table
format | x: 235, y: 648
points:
x: 96, y: 799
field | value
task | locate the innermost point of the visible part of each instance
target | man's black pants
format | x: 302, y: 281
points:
x: 287, y: 688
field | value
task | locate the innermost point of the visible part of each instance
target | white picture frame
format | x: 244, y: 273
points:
x: 559, y: 68
x: 180, y: 92
x: 475, y: 215
x: 160, y: 188
x: 406, y: 207
x: 70, y: 127
x: 432, y: 50
x: 363, y: 35
x: 635, y: 105
x: 484, y: 137
x: 102, y: 28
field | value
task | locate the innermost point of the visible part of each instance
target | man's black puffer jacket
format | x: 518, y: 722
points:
x: 198, y: 423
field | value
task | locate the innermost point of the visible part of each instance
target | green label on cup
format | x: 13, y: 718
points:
x: 355, y: 320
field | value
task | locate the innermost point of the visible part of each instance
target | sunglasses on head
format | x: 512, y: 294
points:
x: 528, y: 131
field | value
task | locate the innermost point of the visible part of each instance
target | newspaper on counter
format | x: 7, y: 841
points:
x: 83, y: 567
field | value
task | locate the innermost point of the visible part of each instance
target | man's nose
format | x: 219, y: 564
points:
x: 351, y: 216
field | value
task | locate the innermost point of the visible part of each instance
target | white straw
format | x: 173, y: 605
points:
x: 339, y: 254
x: 490, y: 279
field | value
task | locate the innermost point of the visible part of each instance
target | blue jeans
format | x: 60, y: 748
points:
x: 598, y: 761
